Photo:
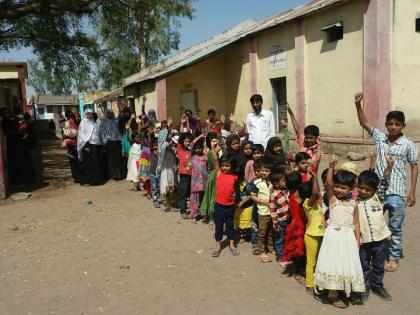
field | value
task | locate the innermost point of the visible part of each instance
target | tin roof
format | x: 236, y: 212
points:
x: 56, y: 99
x: 217, y: 42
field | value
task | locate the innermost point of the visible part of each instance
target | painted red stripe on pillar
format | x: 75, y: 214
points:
x: 253, y: 64
x: 377, y: 60
x: 300, y: 71
x: 161, y: 99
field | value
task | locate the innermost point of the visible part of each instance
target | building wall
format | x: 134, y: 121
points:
x: 207, y: 78
x: 9, y: 72
x: 334, y: 71
x: 406, y: 63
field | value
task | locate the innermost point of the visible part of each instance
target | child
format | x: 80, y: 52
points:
x: 302, y: 165
x: 279, y: 208
x: 207, y: 204
x: 314, y: 230
x: 184, y: 170
x: 257, y: 153
x: 133, y: 165
x: 199, y: 173
x: 309, y: 140
x: 338, y: 266
x: 145, y: 159
x: 245, y: 154
x: 262, y: 199
x: 154, y: 178
x: 166, y: 168
x: 233, y: 149
x: 396, y: 197
x: 225, y: 200
x: 275, y: 152
x: 254, y: 221
x: 373, y: 232
x: 294, y: 244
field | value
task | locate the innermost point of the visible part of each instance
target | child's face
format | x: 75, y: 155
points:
x: 187, y: 142
x: 310, y: 141
x: 248, y: 150
x: 341, y: 191
x: 155, y: 147
x: 164, y: 125
x: 280, y: 184
x: 256, y: 155
x: 226, y: 167
x: 198, y: 151
x: 265, y: 173
x: 234, y: 146
x: 365, y: 191
x: 137, y: 139
x: 394, y: 127
x: 277, y: 148
x: 214, y: 142
x: 257, y: 172
x: 303, y: 166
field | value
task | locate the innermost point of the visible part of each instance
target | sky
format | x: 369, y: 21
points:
x: 210, y: 18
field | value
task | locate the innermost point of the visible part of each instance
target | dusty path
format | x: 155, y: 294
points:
x: 66, y: 257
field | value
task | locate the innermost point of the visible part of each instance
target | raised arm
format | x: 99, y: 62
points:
x: 214, y: 150
x: 294, y: 121
x: 315, y: 190
x: 372, y: 161
x: 143, y: 105
x: 356, y: 226
x: 330, y: 182
x: 358, y: 97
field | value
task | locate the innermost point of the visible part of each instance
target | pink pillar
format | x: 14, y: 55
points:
x: 300, y: 71
x: 377, y: 60
x: 161, y: 99
x: 253, y: 64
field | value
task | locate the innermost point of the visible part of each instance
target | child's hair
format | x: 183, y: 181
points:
x: 345, y: 178
x: 266, y: 162
x: 199, y: 144
x: 397, y: 115
x: 277, y: 176
x: 226, y: 158
x: 210, y: 136
x: 155, y: 141
x: 256, y: 98
x: 244, y: 143
x: 324, y: 175
x: 229, y: 141
x: 293, y: 181
x: 211, y: 111
x: 258, y: 147
x: 183, y: 136
x: 257, y: 164
x: 305, y: 190
x: 301, y: 156
x: 370, y: 179
x: 311, y: 130
x: 277, y: 158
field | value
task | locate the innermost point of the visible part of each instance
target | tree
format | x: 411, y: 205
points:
x: 136, y: 33
x: 56, y: 31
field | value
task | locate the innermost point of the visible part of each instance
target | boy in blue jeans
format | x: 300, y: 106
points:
x: 402, y: 150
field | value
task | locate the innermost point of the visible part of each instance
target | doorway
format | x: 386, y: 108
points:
x: 279, y: 100
x: 189, y: 101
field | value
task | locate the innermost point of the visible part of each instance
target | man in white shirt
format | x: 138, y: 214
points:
x: 260, y: 123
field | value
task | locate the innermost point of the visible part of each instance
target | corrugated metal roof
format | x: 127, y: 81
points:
x: 56, y: 99
x: 213, y: 44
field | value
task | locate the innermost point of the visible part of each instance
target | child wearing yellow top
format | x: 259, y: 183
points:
x: 314, y: 227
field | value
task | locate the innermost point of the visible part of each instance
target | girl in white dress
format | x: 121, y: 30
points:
x: 133, y: 164
x: 338, y: 266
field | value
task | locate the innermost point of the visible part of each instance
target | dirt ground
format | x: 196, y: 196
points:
x: 66, y: 258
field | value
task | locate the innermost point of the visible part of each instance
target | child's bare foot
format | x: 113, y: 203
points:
x: 300, y: 279
x: 284, y: 264
x: 310, y: 291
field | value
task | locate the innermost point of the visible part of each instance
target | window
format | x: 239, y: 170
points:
x: 50, y: 109
x: 418, y: 24
x: 334, y: 32
x: 41, y: 111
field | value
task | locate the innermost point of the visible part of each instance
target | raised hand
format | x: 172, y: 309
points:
x: 222, y: 119
x: 333, y: 161
x: 390, y: 161
x: 232, y: 117
x: 184, y: 119
x: 358, y: 97
x: 144, y: 99
x: 170, y: 121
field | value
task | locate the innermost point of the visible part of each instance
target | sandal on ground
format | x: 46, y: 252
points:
x: 215, y: 253
x: 356, y: 299
x: 256, y: 251
x: 391, y: 265
x: 265, y: 259
x: 336, y: 302
x: 234, y: 251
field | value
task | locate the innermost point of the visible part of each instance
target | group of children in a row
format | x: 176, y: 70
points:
x: 336, y: 237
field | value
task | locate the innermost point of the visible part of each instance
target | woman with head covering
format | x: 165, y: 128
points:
x: 89, y: 147
x: 111, y: 139
x: 125, y: 130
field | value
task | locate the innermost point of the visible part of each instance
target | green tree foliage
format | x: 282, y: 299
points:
x: 137, y: 33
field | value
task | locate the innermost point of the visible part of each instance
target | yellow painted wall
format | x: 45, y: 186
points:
x: 145, y: 88
x: 334, y: 71
x: 207, y: 77
x: 406, y: 64
x: 9, y: 72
